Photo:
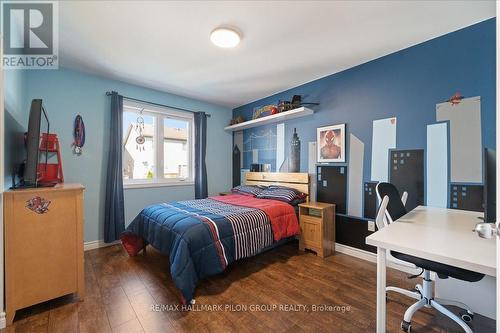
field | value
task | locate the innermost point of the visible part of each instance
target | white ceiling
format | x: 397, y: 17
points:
x: 166, y: 45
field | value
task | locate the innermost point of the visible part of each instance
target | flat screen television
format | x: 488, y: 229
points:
x: 38, y: 121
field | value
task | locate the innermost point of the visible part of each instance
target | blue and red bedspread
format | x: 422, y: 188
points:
x: 202, y: 237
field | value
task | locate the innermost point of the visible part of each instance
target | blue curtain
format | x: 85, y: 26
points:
x: 200, y: 150
x: 114, y: 217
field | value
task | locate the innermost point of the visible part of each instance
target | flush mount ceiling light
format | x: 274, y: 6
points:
x: 225, y: 37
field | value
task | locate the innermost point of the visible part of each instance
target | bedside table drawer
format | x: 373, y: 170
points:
x: 311, y: 231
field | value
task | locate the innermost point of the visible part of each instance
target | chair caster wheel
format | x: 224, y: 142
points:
x: 406, y: 326
x: 466, y: 316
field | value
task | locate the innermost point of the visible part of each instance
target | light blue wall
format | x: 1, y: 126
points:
x: 66, y: 93
x: 16, y: 120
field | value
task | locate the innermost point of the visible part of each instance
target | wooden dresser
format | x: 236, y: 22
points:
x: 317, y: 227
x: 43, y: 245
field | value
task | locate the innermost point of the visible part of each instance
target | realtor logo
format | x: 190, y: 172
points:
x: 30, y: 34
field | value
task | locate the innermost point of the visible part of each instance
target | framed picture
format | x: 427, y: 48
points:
x: 331, y: 143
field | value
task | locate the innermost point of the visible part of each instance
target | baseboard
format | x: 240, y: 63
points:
x: 92, y: 245
x: 354, y: 252
x: 372, y: 257
x: 3, y: 321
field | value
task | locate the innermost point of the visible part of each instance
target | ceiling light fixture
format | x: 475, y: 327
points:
x: 225, y: 37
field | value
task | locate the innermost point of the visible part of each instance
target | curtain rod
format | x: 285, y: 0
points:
x: 108, y: 93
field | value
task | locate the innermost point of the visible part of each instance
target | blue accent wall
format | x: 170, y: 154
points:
x: 406, y: 84
x: 66, y: 93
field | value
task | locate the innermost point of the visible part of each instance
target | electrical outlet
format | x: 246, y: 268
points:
x: 371, y: 226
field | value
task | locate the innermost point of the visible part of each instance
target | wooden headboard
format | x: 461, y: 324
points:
x: 296, y: 180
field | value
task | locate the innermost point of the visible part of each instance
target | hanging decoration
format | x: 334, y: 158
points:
x: 139, y: 128
x: 78, y: 135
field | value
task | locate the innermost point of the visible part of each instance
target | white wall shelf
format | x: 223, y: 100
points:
x: 275, y: 118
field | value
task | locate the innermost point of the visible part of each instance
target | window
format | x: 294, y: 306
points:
x: 157, y: 145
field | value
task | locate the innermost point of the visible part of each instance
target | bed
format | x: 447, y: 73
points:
x: 202, y: 237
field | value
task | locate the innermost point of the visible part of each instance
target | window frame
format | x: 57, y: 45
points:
x: 160, y: 114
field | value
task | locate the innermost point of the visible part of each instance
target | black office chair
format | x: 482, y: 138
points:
x: 392, y: 207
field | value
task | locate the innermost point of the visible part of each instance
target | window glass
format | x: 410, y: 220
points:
x: 139, y: 146
x: 175, y: 152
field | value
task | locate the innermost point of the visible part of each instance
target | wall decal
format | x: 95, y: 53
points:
x: 260, y: 144
x: 355, y: 176
x: 331, y: 143
x: 38, y: 204
x: 280, y: 145
x: 238, y: 141
x: 383, y: 139
x: 466, y: 197
x: 236, y: 166
x: 332, y: 186
x: 294, y: 152
x: 370, y: 200
x: 311, y: 166
x: 407, y: 174
x: 255, y: 156
x: 437, y: 165
x: 465, y: 139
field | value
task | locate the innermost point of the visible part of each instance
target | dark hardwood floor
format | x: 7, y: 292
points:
x: 121, y: 292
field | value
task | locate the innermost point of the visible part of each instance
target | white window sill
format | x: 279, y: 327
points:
x: 131, y: 186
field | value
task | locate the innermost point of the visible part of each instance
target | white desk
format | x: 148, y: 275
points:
x: 438, y: 234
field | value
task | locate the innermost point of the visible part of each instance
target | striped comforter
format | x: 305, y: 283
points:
x: 202, y: 237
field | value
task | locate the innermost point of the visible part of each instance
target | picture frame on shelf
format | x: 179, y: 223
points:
x: 330, y: 143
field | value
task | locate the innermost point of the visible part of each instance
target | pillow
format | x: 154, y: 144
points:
x: 251, y: 190
x: 301, y: 198
x: 281, y: 193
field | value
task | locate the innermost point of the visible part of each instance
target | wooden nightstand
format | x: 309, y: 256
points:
x: 317, y: 228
